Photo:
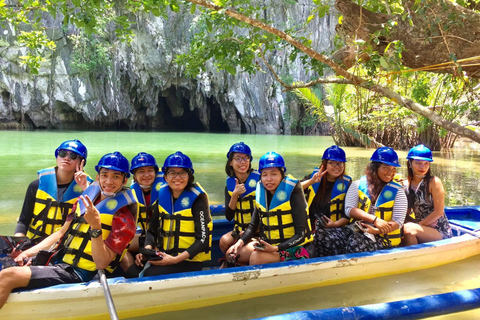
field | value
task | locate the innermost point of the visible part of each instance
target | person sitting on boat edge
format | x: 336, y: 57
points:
x: 426, y: 195
x: 50, y: 197
x: 147, y: 180
x: 240, y: 189
x: 95, y: 237
x: 180, y: 230
x: 379, y: 203
x: 280, y: 215
x: 325, y: 192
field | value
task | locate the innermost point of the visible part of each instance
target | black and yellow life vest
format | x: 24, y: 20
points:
x: 49, y: 212
x: 276, y: 221
x: 337, y: 198
x: 177, y: 225
x: 246, y: 202
x: 383, y: 206
x: 145, y: 211
x: 78, y: 246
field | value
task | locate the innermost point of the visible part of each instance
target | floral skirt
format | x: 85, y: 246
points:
x: 294, y: 253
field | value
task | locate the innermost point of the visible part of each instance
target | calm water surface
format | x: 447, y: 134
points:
x: 22, y: 153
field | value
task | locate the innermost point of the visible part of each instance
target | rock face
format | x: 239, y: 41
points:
x: 143, y: 89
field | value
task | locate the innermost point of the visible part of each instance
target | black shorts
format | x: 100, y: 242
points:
x: 46, y: 276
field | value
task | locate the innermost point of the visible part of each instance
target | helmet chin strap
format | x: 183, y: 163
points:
x: 110, y: 194
x: 145, y: 186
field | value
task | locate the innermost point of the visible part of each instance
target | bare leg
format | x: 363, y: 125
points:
x: 226, y: 242
x: 245, y: 252
x: 259, y: 257
x: 11, y: 278
x: 421, y: 233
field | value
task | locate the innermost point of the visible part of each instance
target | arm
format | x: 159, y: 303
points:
x: 47, y: 243
x: 27, y: 210
x: 299, y: 216
x: 316, y: 178
x: 152, y: 232
x: 252, y: 227
x: 438, y: 195
x: 229, y: 202
x: 123, y: 231
x: 351, y: 210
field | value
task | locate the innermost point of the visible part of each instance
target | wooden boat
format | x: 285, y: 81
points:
x: 143, y: 296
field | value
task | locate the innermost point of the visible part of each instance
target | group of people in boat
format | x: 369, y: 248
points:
x: 92, y: 224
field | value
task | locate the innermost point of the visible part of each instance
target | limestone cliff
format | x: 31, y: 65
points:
x: 143, y: 89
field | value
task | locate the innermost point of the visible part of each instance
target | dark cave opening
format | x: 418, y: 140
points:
x: 217, y: 123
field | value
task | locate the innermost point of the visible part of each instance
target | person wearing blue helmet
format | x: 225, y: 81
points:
x: 281, y: 217
x: 378, y: 203
x: 147, y: 180
x: 325, y: 190
x: 426, y: 220
x: 239, y: 191
x: 95, y: 236
x: 179, y: 236
x: 50, y: 197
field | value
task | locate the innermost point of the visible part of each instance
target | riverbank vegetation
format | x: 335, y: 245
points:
x: 403, y: 71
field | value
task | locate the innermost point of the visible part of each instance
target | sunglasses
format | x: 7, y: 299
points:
x: 71, y: 155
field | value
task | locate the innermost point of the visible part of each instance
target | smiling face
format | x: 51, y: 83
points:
x: 334, y: 169
x: 177, y: 179
x: 386, y: 172
x: 111, y: 181
x: 240, y: 163
x: 144, y: 176
x: 271, y: 178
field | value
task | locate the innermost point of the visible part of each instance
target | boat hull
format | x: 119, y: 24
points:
x: 138, y: 297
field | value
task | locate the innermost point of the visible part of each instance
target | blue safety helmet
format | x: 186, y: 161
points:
x: 420, y: 152
x: 240, y: 148
x: 386, y: 155
x: 143, y: 159
x: 334, y: 153
x: 271, y: 159
x: 114, y: 161
x: 178, y: 160
x: 74, y: 146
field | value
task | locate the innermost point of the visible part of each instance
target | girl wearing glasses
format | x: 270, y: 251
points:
x: 379, y: 203
x: 49, y: 199
x: 239, y: 192
x: 427, y: 220
x: 180, y: 230
x: 280, y: 215
x: 325, y: 191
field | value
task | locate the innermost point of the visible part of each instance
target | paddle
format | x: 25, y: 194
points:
x: 108, y: 295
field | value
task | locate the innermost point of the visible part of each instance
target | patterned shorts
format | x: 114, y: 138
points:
x: 295, y: 253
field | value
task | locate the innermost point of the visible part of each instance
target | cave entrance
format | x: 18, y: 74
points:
x: 174, y: 114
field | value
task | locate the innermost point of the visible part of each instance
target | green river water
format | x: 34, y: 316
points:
x: 22, y: 153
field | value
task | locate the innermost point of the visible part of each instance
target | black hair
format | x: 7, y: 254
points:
x: 428, y: 176
x: 375, y: 184
x: 229, y: 169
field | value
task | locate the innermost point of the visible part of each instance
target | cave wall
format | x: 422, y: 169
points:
x: 143, y: 89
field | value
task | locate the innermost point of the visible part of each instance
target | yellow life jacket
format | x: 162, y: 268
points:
x: 144, y: 211
x: 246, y: 202
x: 49, y: 212
x: 383, y: 206
x: 276, y: 221
x: 177, y: 222
x: 337, y: 198
x: 78, y: 246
